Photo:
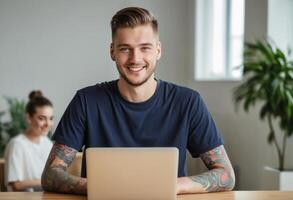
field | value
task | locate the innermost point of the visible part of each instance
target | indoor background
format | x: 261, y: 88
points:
x: 60, y: 46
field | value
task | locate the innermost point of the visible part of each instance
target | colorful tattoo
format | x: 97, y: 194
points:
x: 221, y: 174
x: 55, y: 177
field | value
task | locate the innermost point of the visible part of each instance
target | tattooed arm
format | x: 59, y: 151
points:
x: 220, y: 176
x: 55, y: 177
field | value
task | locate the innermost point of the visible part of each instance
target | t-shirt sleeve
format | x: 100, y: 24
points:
x: 14, y: 163
x: 203, y: 134
x: 71, y: 128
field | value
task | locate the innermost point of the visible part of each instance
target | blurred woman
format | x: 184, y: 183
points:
x: 26, y: 154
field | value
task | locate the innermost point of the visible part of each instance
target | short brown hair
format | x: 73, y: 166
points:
x: 132, y: 17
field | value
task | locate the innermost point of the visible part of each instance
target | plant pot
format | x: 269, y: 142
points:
x: 278, y: 180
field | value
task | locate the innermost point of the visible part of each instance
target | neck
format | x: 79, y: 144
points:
x: 137, y: 94
x: 32, y: 136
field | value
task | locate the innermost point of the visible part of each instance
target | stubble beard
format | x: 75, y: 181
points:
x: 135, y: 84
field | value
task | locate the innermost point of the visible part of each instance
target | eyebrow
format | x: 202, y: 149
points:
x: 146, y: 44
x: 45, y: 116
x: 127, y: 45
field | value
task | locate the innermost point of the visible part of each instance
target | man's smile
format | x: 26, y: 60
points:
x: 136, y: 69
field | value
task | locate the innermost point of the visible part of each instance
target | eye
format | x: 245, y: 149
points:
x: 42, y: 118
x: 124, y: 49
x: 147, y: 48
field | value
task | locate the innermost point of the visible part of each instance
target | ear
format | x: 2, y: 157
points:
x: 112, y: 51
x: 159, y: 50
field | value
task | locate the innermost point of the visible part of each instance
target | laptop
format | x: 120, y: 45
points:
x: 131, y: 173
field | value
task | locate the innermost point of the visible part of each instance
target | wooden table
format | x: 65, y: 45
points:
x: 235, y: 195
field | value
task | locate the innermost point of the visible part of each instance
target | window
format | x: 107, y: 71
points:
x: 219, y: 39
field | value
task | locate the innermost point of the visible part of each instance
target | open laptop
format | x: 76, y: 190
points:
x: 131, y: 173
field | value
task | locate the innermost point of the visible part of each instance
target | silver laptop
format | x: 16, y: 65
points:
x: 131, y: 173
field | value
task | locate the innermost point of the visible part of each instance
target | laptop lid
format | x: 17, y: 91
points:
x: 131, y: 173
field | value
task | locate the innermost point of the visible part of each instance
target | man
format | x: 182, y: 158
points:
x: 138, y: 110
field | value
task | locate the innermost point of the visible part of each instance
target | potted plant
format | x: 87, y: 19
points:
x: 10, y: 128
x: 16, y: 124
x: 269, y: 80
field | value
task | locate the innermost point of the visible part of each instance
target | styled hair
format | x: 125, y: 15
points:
x: 36, y: 99
x: 132, y: 17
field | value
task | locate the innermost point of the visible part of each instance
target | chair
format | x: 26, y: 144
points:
x: 2, y: 176
x: 75, y: 167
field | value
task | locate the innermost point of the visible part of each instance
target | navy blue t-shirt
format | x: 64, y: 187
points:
x: 174, y: 116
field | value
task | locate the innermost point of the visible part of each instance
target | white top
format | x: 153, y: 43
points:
x: 25, y: 160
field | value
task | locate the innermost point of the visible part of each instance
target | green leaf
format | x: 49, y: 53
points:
x: 266, y: 50
x: 264, y: 111
x: 288, y: 93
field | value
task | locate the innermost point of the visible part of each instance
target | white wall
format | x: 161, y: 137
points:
x: 59, y: 46
x: 280, y: 26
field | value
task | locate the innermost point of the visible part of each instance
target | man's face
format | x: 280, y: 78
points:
x: 136, y: 51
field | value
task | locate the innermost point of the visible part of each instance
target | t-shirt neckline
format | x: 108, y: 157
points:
x: 139, y: 105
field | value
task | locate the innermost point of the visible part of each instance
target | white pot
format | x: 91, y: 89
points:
x: 278, y: 180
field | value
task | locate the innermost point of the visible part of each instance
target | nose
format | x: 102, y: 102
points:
x: 48, y: 123
x: 135, y: 56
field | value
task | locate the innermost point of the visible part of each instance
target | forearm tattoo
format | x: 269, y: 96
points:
x: 55, y: 177
x: 221, y: 174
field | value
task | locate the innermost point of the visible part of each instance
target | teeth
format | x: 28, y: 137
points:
x: 135, y: 69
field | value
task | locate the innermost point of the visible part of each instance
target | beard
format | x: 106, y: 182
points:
x: 132, y: 83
